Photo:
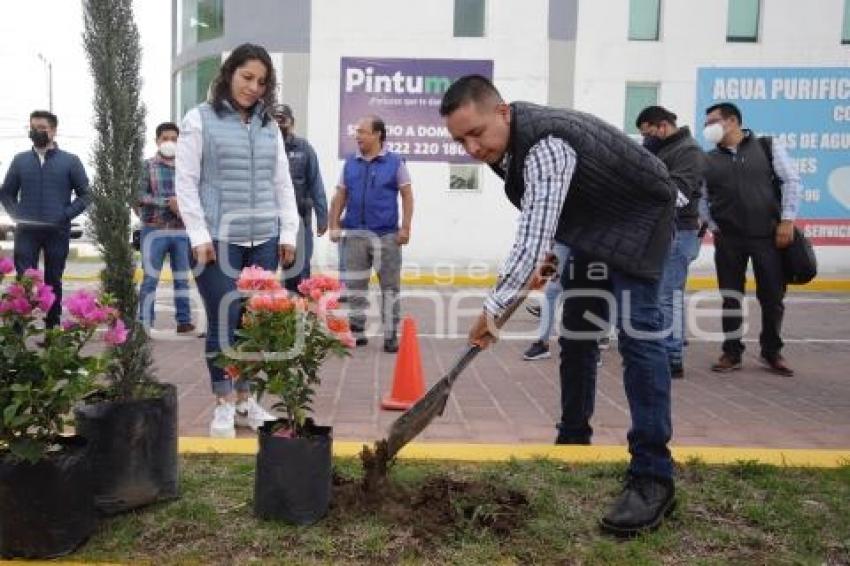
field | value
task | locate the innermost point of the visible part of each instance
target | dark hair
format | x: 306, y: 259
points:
x: 220, y: 87
x: 471, y: 88
x: 654, y: 115
x: 166, y: 127
x: 727, y: 110
x: 50, y: 116
x: 379, y: 126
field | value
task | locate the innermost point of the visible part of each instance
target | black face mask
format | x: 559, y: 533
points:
x: 39, y: 138
x: 652, y: 143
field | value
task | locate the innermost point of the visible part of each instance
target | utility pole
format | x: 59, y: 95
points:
x: 49, y: 66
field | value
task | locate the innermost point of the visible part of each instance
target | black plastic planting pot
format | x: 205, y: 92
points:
x: 293, y: 478
x: 47, y: 508
x: 133, y: 448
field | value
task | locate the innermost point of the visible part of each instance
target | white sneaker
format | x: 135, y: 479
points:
x: 222, y: 425
x: 249, y: 413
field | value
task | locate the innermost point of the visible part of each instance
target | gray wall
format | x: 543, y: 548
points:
x: 563, y: 24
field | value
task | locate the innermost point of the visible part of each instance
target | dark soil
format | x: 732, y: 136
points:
x: 435, y: 510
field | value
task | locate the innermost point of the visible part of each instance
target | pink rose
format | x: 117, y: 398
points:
x: 7, y: 266
x: 34, y: 274
x: 117, y: 333
x: 16, y: 291
x: 21, y: 306
x: 45, y: 296
x: 257, y: 279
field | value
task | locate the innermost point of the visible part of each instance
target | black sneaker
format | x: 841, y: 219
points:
x: 537, y: 351
x: 533, y: 310
x: 641, y: 507
x: 677, y: 371
x: 391, y: 345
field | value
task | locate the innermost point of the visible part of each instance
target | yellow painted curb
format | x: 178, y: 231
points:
x: 695, y: 283
x: 580, y: 454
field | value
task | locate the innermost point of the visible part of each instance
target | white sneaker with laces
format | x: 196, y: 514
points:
x: 251, y: 414
x: 222, y: 425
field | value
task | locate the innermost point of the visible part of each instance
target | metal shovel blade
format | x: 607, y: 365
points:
x: 416, y: 418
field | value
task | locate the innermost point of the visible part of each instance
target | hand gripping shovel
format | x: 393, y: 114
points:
x: 416, y: 418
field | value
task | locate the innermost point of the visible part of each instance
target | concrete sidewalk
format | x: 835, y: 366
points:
x: 501, y: 398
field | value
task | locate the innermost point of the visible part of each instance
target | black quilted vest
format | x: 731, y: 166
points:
x: 620, y: 207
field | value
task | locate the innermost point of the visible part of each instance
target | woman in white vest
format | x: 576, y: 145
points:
x: 237, y: 201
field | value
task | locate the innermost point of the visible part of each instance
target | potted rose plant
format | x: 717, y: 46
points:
x: 280, y: 349
x: 46, y: 497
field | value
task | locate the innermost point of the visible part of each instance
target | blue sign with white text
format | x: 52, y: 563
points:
x: 806, y: 109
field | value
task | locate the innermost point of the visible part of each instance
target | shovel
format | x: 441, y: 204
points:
x: 416, y: 418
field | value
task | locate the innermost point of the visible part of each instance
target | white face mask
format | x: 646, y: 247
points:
x: 167, y: 149
x: 713, y: 133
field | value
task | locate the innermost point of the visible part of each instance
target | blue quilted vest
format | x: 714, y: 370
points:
x: 237, y: 175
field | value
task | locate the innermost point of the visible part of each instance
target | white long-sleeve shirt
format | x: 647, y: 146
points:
x: 187, y: 182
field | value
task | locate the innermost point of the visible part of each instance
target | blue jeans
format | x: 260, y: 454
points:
x: 156, y: 243
x: 683, y: 251
x: 55, y: 243
x: 646, y: 374
x: 552, y: 291
x: 300, y: 270
x: 217, y: 286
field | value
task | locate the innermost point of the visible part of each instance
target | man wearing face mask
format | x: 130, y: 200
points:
x: 309, y: 194
x: 37, y: 192
x: 753, y: 195
x: 163, y: 232
x: 685, y: 161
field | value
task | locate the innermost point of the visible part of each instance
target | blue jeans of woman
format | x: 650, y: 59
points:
x: 222, y: 302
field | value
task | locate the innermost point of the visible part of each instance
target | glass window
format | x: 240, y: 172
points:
x: 201, y: 20
x: 638, y: 97
x: 845, y: 30
x: 469, y: 18
x: 743, y: 21
x: 643, y: 19
x: 464, y: 178
x: 194, y: 82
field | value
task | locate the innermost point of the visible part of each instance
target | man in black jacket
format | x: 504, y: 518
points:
x: 582, y: 182
x: 753, y: 195
x: 685, y: 161
x: 309, y: 194
x: 37, y: 193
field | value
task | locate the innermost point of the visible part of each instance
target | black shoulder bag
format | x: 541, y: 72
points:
x: 799, y: 262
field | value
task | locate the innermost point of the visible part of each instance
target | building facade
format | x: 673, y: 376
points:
x: 607, y: 57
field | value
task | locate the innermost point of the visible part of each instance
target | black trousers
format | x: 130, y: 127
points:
x: 731, y: 256
x: 54, y: 242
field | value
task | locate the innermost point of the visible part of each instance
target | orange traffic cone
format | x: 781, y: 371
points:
x: 408, y: 383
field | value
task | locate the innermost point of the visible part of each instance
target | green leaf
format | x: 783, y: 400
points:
x: 27, y: 449
x: 10, y: 411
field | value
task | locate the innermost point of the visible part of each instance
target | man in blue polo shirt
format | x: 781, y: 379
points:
x: 37, y: 193
x: 369, y: 233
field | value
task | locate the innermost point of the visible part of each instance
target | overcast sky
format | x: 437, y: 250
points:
x: 54, y: 28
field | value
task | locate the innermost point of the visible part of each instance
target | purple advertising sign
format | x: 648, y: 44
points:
x: 406, y: 93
